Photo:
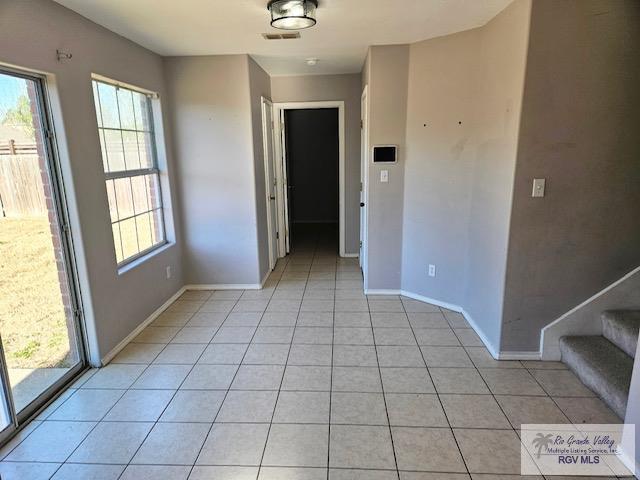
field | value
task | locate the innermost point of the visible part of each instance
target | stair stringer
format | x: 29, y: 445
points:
x: 584, y: 319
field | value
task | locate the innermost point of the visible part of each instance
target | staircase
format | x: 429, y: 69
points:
x: 604, y: 363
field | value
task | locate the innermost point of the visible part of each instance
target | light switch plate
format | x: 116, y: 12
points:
x: 538, y: 187
x: 384, y: 176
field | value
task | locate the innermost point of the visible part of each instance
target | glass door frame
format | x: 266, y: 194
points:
x: 54, y: 174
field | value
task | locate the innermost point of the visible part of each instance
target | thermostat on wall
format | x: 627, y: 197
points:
x: 385, y: 154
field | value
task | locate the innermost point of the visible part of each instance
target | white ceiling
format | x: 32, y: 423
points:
x: 340, y: 39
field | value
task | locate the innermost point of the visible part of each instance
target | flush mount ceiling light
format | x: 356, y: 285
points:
x: 293, y: 14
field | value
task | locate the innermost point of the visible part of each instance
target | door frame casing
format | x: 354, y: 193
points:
x: 265, y: 150
x: 278, y: 109
x: 61, y: 207
x: 364, y: 178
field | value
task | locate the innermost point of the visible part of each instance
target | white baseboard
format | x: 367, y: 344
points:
x: 432, y: 301
x: 230, y: 286
x: 506, y: 355
x: 240, y: 286
x: 381, y: 291
x: 495, y: 353
x: 351, y: 255
x: 114, y: 351
x: 224, y: 286
x: 439, y: 303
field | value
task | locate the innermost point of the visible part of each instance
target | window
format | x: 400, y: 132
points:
x: 127, y: 141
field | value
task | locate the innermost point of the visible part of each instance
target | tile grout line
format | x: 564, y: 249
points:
x: 450, y: 428
x: 473, y: 365
x: 71, y: 387
x: 384, y: 397
x: 333, y: 339
x: 195, y: 461
x: 125, y: 390
x: 284, y: 371
x: 493, y: 396
x: 181, y: 383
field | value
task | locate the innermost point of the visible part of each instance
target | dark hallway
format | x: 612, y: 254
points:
x: 312, y: 171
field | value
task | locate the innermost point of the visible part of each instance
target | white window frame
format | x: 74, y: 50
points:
x: 153, y: 170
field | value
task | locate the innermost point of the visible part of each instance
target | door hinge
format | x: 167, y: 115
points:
x: 277, y: 235
x: 361, y: 124
x: 76, y: 313
x: 65, y: 228
x: 360, y: 243
x: 48, y: 134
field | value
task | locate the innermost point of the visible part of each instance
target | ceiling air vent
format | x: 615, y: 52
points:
x: 281, y: 36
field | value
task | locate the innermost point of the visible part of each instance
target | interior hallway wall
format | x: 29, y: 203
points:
x: 463, y: 115
x: 213, y: 122
x: 580, y: 114
x: 386, y: 73
x: 443, y: 91
x: 259, y: 87
x: 503, y: 52
x: 114, y: 303
x: 318, y: 88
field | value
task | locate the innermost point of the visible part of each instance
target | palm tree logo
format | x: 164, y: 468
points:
x: 542, y: 441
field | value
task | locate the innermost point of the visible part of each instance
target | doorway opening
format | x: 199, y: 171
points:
x: 41, y: 341
x: 312, y: 166
x: 309, y: 149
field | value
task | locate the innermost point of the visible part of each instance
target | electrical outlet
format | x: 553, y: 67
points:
x: 432, y: 270
x: 168, y: 273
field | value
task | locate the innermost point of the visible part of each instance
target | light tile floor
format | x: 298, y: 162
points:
x: 306, y: 379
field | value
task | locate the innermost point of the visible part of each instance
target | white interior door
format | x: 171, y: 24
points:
x: 270, y: 180
x: 285, y: 182
x: 364, y: 153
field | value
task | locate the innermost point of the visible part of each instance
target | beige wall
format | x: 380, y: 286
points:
x: 465, y: 93
x: 213, y: 128
x: 444, y: 78
x: 259, y: 86
x: 503, y: 52
x: 30, y: 32
x: 315, y: 88
x: 580, y: 115
x: 387, y: 97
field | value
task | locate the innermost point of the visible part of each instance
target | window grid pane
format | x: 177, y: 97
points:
x: 132, y: 177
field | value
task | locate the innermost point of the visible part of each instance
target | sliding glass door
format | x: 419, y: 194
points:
x: 41, y: 346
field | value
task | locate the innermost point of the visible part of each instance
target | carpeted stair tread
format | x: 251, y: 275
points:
x: 601, y: 366
x: 621, y: 327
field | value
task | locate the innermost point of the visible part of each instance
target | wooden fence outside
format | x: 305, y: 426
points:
x: 21, y: 189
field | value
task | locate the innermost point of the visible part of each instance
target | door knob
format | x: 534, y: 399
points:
x: 362, y: 204
x: 272, y: 197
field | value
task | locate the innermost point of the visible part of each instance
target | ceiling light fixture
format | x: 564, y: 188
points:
x: 293, y: 14
x: 312, y: 61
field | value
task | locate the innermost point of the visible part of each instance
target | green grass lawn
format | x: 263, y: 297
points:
x: 32, y: 319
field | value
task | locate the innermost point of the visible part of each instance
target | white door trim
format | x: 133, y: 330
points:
x: 265, y: 149
x: 364, y: 178
x: 280, y: 154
